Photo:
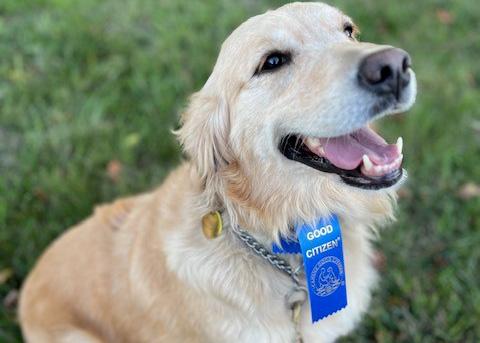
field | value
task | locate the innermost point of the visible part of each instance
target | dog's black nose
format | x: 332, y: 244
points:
x: 385, y: 72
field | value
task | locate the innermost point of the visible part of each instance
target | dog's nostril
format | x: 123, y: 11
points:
x: 385, y: 73
x: 406, y: 64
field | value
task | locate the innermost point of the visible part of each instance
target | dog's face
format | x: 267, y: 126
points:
x: 289, y: 103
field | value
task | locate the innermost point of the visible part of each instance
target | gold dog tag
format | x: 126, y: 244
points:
x: 212, y: 225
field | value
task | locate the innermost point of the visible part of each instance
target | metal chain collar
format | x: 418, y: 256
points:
x: 296, y: 298
x: 275, y: 260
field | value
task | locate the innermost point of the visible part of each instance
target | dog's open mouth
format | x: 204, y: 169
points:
x: 361, y: 158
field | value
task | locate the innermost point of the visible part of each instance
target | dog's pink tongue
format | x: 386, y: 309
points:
x: 346, y: 152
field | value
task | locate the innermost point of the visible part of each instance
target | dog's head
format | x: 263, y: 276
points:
x: 281, y: 126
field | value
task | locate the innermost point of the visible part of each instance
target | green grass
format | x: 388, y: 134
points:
x: 83, y: 83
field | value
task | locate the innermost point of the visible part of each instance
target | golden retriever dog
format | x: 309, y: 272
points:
x: 279, y: 134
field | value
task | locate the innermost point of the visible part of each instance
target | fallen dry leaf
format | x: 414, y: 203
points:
x: 40, y: 194
x: 472, y: 80
x: 444, y: 16
x: 11, y: 299
x: 469, y: 190
x: 440, y: 261
x: 379, y: 260
x: 114, y: 170
x: 404, y: 193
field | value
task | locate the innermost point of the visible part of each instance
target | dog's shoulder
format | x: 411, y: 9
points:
x: 114, y: 214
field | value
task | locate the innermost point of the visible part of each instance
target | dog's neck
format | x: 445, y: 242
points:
x: 269, y: 212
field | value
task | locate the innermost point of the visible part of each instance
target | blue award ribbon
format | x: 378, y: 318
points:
x: 322, y: 250
x: 287, y: 246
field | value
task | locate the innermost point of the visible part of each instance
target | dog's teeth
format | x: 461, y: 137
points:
x: 313, y: 142
x: 367, y: 163
x: 400, y: 145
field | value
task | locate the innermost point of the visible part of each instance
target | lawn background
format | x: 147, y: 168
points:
x: 89, y: 91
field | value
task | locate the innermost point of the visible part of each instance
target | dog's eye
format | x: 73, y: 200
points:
x: 348, y: 29
x: 273, y: 61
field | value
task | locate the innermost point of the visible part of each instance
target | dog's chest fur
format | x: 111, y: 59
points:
x: 244, y: 297
x: 224, y: 292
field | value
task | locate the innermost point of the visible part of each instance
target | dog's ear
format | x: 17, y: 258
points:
x: 204, y: 133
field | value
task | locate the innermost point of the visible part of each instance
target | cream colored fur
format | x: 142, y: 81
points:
x: 140, y: 269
